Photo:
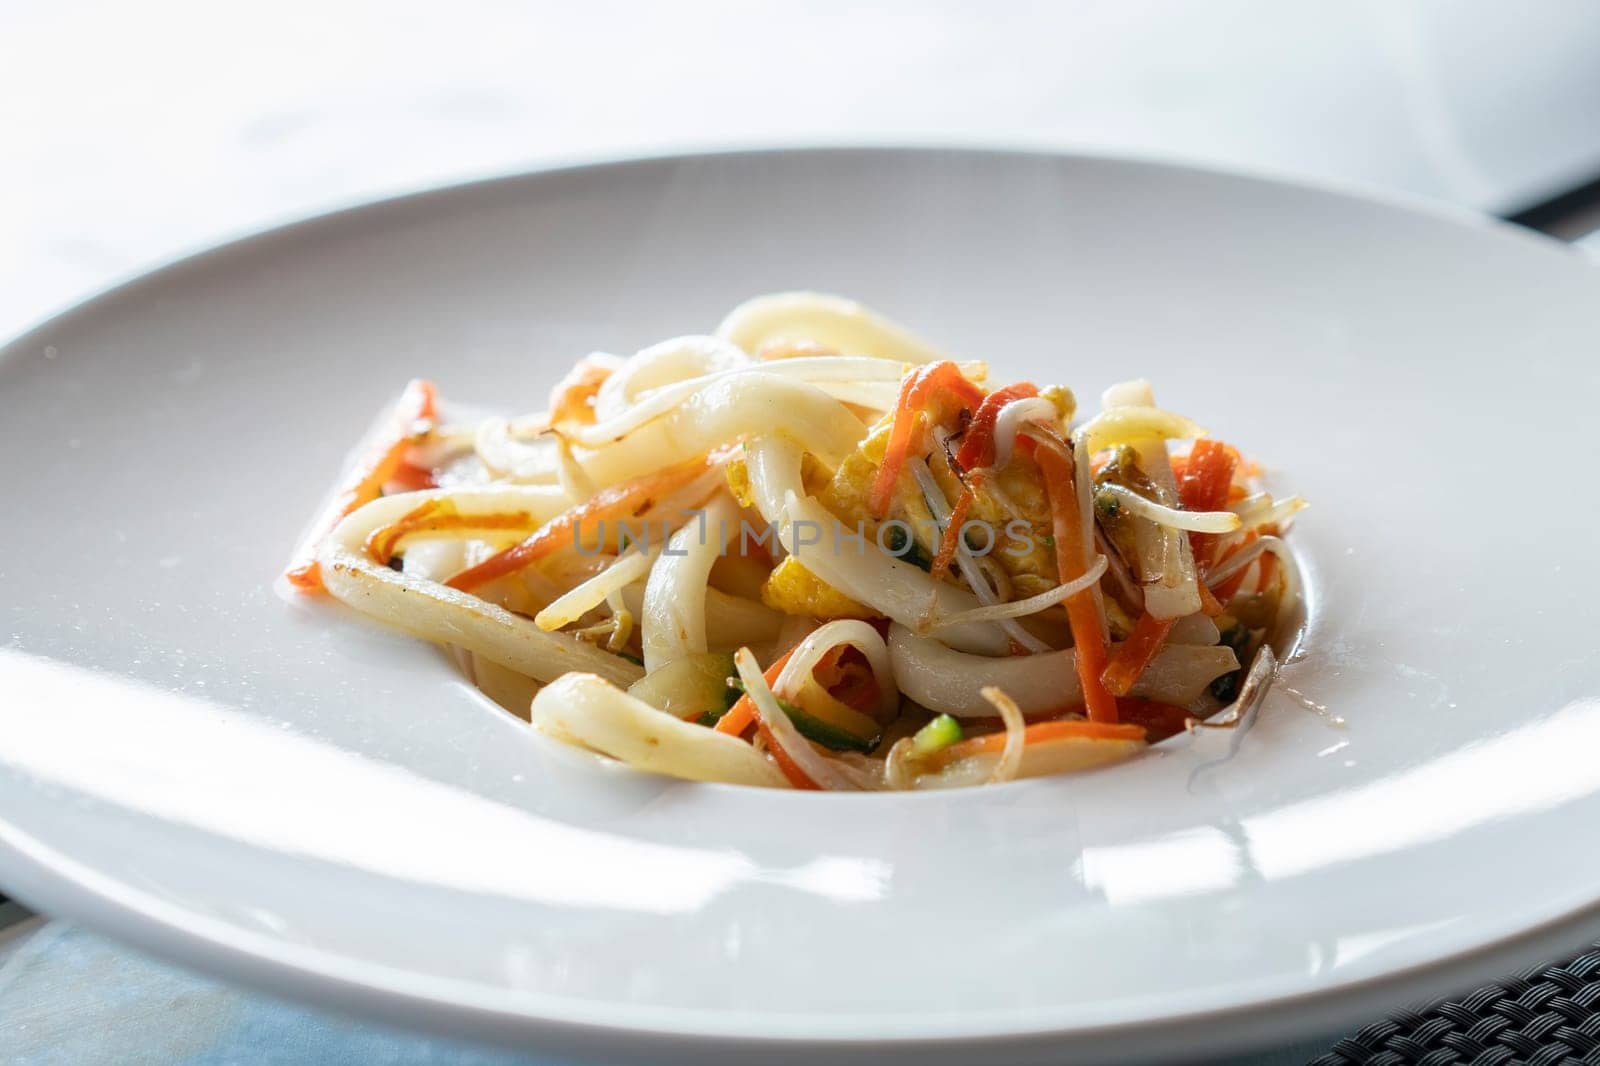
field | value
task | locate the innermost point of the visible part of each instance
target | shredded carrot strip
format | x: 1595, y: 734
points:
x: 437, y: 516
x: 1133, y: 655
x: 917, y: 390
x: 629, y: 499
x: 977, y: 446
x: 990, y: 743
x: 952, y: 534
x: 1210, y: 606
x: 1160, y: 720
x: 572, y: 400
x: 365, y: 482
x: 410, y: 477
x: 1082, y: 613
x: 743, y: 711
x: 1268, y: 572
x: 797, y: 777
x: 1204, y: 486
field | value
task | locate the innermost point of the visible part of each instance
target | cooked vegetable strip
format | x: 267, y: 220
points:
x: 1088, y: 639
x: 412, y: 416
x: 1114, y: 496
x: 743, y: 712
x: 951, y: 540
x: 800, y: 762
x: 1134, y: 654
x: 1165, y: 563
x: 977, y: 447
x: 617, y: 502
x: 932, y: 561
x: 1207, y: 477
x: 439, y: 515
x: 1039, y: 734
x: 917, y: 392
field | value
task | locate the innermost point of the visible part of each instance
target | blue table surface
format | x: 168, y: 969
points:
x: 69, y: 997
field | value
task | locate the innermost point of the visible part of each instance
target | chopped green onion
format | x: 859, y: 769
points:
x: 942, y: 732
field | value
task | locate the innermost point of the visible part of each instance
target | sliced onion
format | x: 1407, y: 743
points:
x: 831, y: 321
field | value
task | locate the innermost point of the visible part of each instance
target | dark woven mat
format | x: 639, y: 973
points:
x: 1546, y: 1016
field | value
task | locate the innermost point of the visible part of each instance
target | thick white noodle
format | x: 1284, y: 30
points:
x: 812, y: 370
x: 832, y: 321
x: 440, y: 613
x: 508, y: 455
x: 817, y: 644
x: 436, y: 560
x: 949, y: 681
x: 736, y: 407
x: 660, y: 365
x: 586, y: 711
x: 673, y: 622
x: 730, y: 620
x: 1171, y: 517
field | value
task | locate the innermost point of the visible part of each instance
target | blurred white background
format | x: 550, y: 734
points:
x: 134, y: 132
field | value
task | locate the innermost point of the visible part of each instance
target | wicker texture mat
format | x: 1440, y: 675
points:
x: 1541, y: 1017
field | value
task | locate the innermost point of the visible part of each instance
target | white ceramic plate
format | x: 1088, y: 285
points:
x: 286, y: 795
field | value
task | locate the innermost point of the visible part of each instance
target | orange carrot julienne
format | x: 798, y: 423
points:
x: 365, y: 481
x: 977, y: 446
x: 992, y: 743
x: 572, y: 400
x: 434, y: 516
x: 1207, y: 477
x: 628, y: 499
x: 917, y: 391
x: 790, y: 769
x: 952, y: 534
x: 743, y: 711
x: 1133, y: 655
x: 1082, y: 615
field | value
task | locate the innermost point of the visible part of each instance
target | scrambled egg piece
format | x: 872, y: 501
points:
x: 793, y: 589
x: 738, y: 475
x: 1027, y: 557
